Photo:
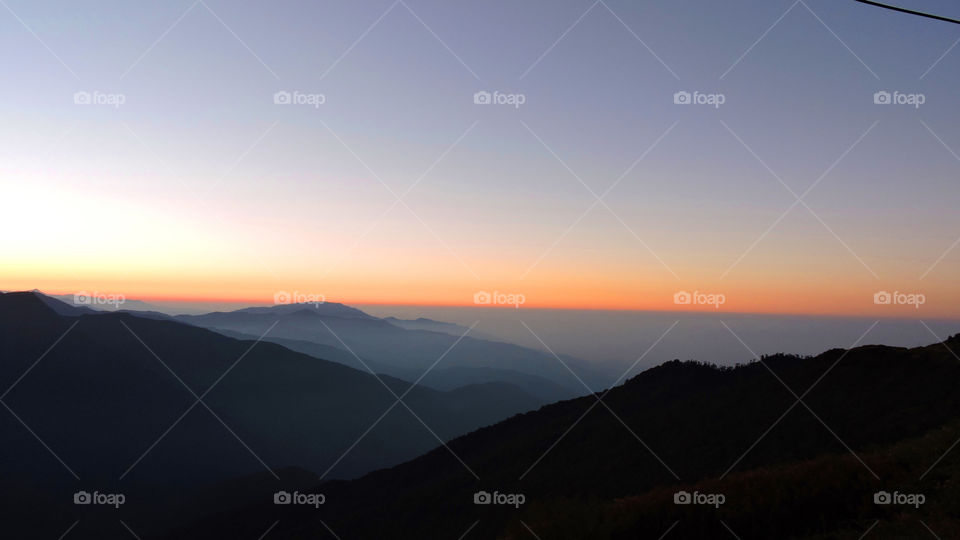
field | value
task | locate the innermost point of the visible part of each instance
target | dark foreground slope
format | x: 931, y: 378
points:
x: 788, y: 468
x: 112, y: 402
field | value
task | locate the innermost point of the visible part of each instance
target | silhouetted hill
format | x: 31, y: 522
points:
x: 830, y: 496
x: 127, y: 304
x: 61, y: 307
x: 423, y: 323
x: 325, y: 309
x: 439, y: 378
x: 103, y: 392
x: 318, y: 350
x: 408, y: 353
x: 586, y: 473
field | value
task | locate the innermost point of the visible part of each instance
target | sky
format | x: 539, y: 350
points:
x: 583, y: 186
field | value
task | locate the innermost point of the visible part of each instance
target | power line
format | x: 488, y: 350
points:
x: 910, y: 11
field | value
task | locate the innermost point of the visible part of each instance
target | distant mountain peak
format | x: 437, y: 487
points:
x: 418, y: 319
x: 59, y: 306
x: 326, y: 309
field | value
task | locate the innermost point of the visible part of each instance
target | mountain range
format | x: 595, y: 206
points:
x: 438, y: 354
x: 869, y: 420
x: 423, y: 323
x: 442, y: 359
x: 155, y: 406
x: 202, y: 430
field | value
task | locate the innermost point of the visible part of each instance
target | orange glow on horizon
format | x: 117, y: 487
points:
x: 804, y: 306
x: 169, y: 254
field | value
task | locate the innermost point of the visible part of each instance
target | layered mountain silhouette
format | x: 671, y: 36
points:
x: 871, y: 419
x: 86, y: 301
x: 799, y: 447
x: 150, y: 406
x: 407, y: 351
x: 423, y: 323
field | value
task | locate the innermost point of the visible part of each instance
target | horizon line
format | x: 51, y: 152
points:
x: 259, y: 302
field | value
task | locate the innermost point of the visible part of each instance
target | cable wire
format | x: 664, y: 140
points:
x: 910, y: 11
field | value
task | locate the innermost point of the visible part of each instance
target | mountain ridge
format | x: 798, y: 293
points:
x: 702, y: 420
x: 400, y: 352
x: 114, y: 396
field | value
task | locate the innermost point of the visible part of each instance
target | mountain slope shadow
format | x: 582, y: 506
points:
x: 671, y: 426
x: 116, y: 403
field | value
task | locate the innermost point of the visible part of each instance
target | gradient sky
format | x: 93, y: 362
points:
x: 200, y: 187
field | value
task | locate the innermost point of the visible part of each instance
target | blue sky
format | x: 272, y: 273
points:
x: 201, y: 163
